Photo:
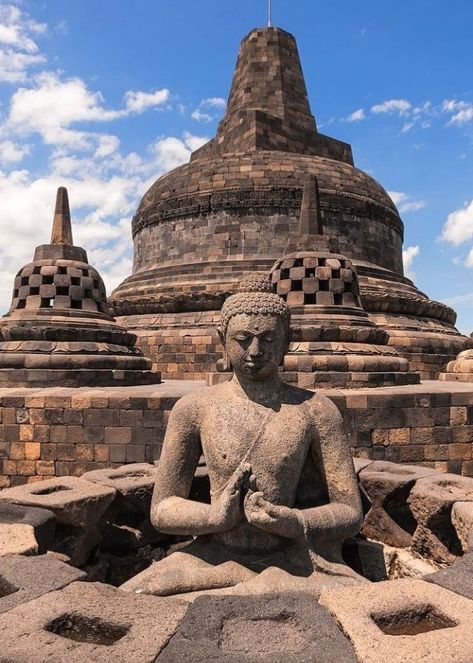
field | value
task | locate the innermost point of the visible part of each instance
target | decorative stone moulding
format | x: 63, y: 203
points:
x: 59, y: 330
x: 461, y: 368
x: 202, y: 227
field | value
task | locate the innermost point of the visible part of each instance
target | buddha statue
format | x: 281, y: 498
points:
x: 283, y: 491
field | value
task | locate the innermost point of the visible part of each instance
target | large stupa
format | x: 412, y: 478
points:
x: 233, y: 208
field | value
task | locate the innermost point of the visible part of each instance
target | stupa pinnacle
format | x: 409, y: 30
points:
x: 236, y: 207
x: 59, y: 330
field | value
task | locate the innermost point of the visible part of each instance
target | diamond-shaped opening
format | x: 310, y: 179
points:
x: 46, y: 302
x: 413, y: 621
x: 76, y: 303
x: 75, y: 280
x: 34, y: 291
x: 49, y: 490
x: 25, y: 280
x: 37, y: 270
x: 85, y: 272
x: 62, y: 270
x: 62, y: 290
x: 48, y: 278
x: 93, y: 630
x: 21, y: 303
x: 324, y: 285
x: 296, y: 286
x: 6, y: 587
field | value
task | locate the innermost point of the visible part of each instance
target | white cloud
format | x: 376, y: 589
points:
x: 137, y: 102
x: 398, y: 106
x: 406, y: 203
x: 171, y: 152
x: 213, y: 102
x: 461, y: 111
x: 356, y: 116
x: 458, y: 227
x: 408, y: 256
x: 11, y: 152
x: 199, y: 116
x: 18, y: 50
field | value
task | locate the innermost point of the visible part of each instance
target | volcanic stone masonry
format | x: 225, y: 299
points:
x: 232, y: 209
x: 59, y: 330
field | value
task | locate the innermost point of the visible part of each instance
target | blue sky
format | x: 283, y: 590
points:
x: 105, y: 96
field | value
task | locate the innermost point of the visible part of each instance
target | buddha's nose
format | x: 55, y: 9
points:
x: 255, y: 348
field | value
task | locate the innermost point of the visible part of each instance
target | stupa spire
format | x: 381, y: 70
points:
x: 62, y: 228
x: 311, y: 218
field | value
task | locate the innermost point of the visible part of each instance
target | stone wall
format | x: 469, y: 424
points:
x: 48, y: 432
x: 59, y: 432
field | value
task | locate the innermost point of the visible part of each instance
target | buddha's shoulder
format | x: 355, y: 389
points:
x: 200, y: 398
x: 314, y: 402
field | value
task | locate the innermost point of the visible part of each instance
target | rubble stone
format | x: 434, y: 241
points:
x: 78, y: 506
x: 431, y: 501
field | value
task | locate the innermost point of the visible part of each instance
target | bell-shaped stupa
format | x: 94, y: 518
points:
x: 230, y: 211
x: 59, y: 330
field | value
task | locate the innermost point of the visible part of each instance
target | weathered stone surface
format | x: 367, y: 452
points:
x: 78, y: 506
x: 25, y: 578
x: 431, y: 501
x: 388, y: 486
x: 17, y: 540
x: 282, y: 484
x: 462, y: 519
x: 42, y: 522
x: 89, y: 622
x: 231, y: 210
x: 133, y: 482
x: 404, y: 620
x: 291, y: 628
x: 457, y: 578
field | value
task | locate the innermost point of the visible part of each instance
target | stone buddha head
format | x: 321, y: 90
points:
x: 254, y: 330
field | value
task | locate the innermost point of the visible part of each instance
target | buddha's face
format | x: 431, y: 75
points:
x: 255, y: 345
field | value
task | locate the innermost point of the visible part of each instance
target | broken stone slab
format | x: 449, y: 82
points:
x: 404, y: 620
x: 89, y: 622
x: 388, y: 486
x: 127, y: 520
x: 431, y: 501
x: 133, y: 483
x: 462, y: 519
x: 25, y: 578
x: 17, y: 539
x: 42, y: 521
x: 457, y: 578
x: 243, y: 629
x: 360, y: 464
x: 78, y: 506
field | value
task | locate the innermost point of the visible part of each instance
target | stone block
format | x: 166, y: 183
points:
x: 25, y: 578
x: 431, y: 501
x: 457, y: 578
x: 78, y: 506
x: 89, y: 622
x: 404, y: 620
x: 41, y: 521
x: 462, y: 520
x: 244, y: 629
x: 388, y: 486
x: 134, y: 483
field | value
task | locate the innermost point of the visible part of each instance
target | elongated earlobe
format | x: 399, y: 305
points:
x: 226, y: 365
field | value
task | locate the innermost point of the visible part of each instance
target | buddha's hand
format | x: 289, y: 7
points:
x: 225, y: 509
x: 272, y: 518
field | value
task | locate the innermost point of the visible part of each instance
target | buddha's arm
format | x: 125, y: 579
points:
x: 171, y: 511
x: 343, y: 516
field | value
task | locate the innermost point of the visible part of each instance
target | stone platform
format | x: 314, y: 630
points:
x: 66, y: 431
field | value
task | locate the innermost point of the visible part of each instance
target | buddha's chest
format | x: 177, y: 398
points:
x: 275, y: 444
